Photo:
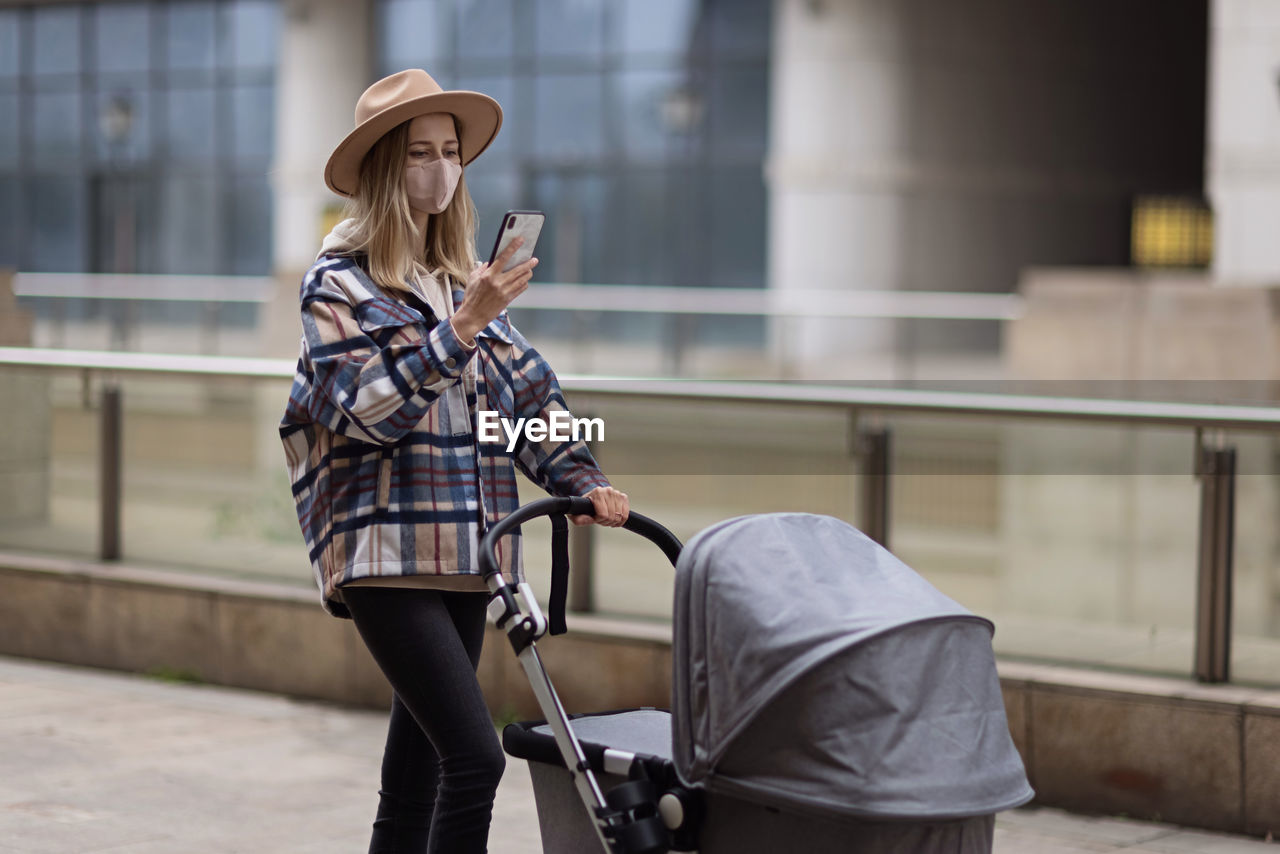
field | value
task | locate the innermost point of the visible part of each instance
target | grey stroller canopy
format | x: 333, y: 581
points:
x: 814, y: 671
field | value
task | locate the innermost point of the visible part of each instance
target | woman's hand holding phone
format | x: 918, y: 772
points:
x: 490, y: 291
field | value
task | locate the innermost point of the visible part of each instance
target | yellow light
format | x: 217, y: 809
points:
x: 1171, y: 231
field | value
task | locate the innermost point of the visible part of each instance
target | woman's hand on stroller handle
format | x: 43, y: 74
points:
x: 635, y: 522
x: 611, y: 508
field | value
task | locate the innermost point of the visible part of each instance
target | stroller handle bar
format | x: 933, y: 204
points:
x: 557, y: 508
x: 582, y: 506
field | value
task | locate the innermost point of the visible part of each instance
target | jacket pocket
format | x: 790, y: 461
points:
x: 383, y: 313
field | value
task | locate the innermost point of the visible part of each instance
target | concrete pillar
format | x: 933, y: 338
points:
x: 325, y: 63
x: 948, y: 146
x: 1243, y: 149
x: 836, y: 107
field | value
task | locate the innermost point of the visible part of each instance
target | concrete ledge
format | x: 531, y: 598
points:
x: 221, y: 631
x: 275, y: 637
x: 1147, y: 747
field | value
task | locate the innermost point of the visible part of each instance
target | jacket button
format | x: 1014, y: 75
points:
x: 450, y: 362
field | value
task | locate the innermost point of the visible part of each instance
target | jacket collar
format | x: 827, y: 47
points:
x: 498, y: 328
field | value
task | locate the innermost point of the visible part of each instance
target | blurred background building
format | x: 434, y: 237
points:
x: 794, y: 145
x: 641, y: 127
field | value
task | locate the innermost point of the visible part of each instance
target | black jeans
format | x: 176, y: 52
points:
x: 442, y: 762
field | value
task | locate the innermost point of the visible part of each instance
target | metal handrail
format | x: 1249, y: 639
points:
x: 764, y: 302
x: 1206, y: 416
x: 676, y: 306
x: 114, y: 361
x: 144, y: 287
x: 1214, y: 462
x: 775, y: 302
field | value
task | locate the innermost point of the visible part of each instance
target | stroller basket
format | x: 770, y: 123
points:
x: 860, y: 711
x: 620, y: 746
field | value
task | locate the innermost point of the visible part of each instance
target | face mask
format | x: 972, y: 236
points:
x: 430, y: 186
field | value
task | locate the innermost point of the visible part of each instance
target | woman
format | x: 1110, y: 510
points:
x: 405, y: 339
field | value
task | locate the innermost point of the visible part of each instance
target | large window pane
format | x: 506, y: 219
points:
x: 56, y: 122
x: 656, y: 26
x: 587, y: 203
x: 548, y: 193
x: 56, y: 207
x: 740, y: 27
x: 8, y: 132
x: 119, y: 214
x: 486, y: 28
x: 569, y: 116
x: 412, y: 34
x: 9, y: 42
x: 9, y: 256
x: 634, y: 239
x: 143, y: 198
x: 191, y: 126
x: 502, y: 90
x: 495, y: 189
x: 249, y: 201
x: 570, y: 248
x: 739, y: 100
x: 190, y: 35
x: 251, y: 29
x: 56, y: 39
x: 123, y: 37
x: 738, y: 227
x: 190, y: 240
x: 570, y: 27
x: 689, y: 216
x: 252, y: 123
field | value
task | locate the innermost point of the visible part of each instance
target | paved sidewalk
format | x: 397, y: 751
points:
x: 94, y: 761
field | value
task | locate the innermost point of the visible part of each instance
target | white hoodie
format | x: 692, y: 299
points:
x: 430, y: 288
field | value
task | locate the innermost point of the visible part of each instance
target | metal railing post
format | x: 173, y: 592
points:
x: 1216, y: 468
x: 110, y: 437
x: 873, y: 448
x: 680, y: 327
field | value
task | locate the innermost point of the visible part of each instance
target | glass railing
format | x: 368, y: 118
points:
x: 1091, y: 531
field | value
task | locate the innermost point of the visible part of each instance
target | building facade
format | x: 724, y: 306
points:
x: 189, y: 136
x: 793, y: 144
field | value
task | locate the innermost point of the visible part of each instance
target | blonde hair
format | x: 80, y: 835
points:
x: 384, y: 226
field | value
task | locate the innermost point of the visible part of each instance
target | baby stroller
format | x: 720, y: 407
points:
x: 825, y: 698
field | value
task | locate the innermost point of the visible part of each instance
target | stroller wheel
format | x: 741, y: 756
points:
x: 640, y: 831
x: 635, y: 797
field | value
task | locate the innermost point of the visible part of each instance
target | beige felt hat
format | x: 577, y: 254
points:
x: 398, y: 98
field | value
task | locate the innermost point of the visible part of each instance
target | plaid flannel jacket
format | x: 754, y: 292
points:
x: 380, y: 434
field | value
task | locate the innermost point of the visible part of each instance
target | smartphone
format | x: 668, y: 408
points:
x: 526, y: 224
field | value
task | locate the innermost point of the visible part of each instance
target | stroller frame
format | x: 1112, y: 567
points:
x: 625, y: 820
